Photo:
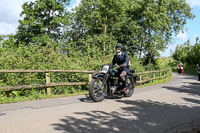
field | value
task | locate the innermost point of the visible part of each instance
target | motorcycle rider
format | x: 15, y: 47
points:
x: 121, y: 59
x: 180, y: 68
x: 198, y: 71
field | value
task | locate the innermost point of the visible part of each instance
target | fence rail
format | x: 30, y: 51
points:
x: 161, y: 74
x: 45, y: 71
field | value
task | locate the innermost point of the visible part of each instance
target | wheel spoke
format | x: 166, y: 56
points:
x: 98, y: 87
x: 129, y: 84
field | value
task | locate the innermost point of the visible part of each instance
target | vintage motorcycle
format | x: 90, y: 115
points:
x: 107, y: 83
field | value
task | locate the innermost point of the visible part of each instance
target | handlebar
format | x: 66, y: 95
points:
x: 119, y: 66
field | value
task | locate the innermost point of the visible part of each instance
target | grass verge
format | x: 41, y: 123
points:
x: 4, y: 100
x: 156, y: 82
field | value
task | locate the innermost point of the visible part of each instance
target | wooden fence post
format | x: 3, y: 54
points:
x: 89, y: 78
x: 48, y: 82
x: 167, y: 73
x: 140, y: 79
x: 154, y: 75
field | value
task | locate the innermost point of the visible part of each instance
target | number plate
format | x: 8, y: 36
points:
x: 105, y: 69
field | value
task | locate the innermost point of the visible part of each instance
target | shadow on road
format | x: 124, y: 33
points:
x: 134, y: 117
x: 191, y: 89
x: 189, y: 77
x: 192, y: 100
x: 140, y: 116
x: 86, y: 99
x: 89, y: 100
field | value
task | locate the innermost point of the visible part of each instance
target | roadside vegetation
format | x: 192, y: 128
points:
x: 189, y: 55
x: 43, y: 58
x: 49, y: 36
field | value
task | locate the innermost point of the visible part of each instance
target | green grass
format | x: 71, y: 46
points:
x: 38, y: 97
x: 190, y: 70
x: 166, y: 62
x: 156, y: 82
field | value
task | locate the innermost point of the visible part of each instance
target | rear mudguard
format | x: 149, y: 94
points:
x: 133, y: 78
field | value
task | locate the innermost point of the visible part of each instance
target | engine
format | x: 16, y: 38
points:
x: 113, y: 85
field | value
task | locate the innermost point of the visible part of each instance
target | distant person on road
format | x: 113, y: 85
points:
x: 198, y: 71
x: 180, y: 68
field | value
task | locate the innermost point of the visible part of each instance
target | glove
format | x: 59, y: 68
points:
x: 123, y: 65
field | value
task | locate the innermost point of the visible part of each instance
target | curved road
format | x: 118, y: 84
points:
x: 173, y: 107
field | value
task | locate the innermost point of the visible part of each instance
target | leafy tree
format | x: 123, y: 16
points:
x: 7, y: 41
x: 194, y: 53
x: 144, y: 25
x: 188, y: 53
x: 98, y: 22
x: 181, y: 51
x: 43, y: 22
x: 157, y: 20
x: 1, y: 40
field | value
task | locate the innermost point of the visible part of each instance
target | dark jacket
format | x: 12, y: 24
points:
x: 122, y: 60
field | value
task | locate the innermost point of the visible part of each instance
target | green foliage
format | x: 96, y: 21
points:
x: 43, y: 22
x: 95, y: 24
x: 187, y: 53
x: 94, y: 27
x: 191, y: 69
x: 165, y: 62
x: 45, y: 58
x: 144, y: 26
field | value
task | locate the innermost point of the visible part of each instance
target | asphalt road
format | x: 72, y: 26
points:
x: 173, y: 107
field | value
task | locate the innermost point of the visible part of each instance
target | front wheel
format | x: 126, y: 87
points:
x: 129, y: 86
x: 97, y: 89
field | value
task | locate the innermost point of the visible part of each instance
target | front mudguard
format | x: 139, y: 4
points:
x: 97, y: 75
x: 102, y: 75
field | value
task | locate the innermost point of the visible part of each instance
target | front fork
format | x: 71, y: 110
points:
x: 106, y: 85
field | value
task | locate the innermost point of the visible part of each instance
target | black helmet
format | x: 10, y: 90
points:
x: 119, y: 45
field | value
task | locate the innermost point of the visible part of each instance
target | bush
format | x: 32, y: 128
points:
x: 47, y: 58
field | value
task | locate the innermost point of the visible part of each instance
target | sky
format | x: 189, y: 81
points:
x: 191, y: 29
x: 10, y: 14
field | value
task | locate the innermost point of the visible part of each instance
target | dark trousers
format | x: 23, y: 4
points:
x: 122, y: 75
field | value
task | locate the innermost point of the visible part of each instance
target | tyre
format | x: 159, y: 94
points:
x: 129, y: 86
x: 198, y: 76
x: 97, y: 89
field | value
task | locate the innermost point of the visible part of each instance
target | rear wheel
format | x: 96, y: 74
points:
x: 129, y: 86
x: 97, y: 89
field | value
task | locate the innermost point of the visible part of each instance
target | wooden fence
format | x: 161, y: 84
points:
x: 151, y: 75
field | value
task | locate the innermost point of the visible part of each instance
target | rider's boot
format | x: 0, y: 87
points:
x: 124, y: 87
